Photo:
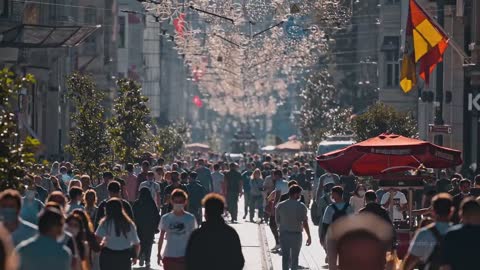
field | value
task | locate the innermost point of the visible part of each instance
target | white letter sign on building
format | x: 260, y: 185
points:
x: 474, y: 102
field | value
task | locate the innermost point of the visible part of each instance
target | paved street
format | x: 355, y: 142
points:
x: 257, y: 240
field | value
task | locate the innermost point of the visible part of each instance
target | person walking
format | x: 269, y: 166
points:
x: 102, y: 188
x: 233, y: 183
x: 76, y: 196
x: 465, y: 186
x: 215, y: 245
x: 204, y: 175
x: 371, y: 206
x: 256, y: 195
x: 118, y: 236
x: 114, y: 191
x: 31, y: 206
x: 426, y: 246
x: 153, y: 186
x: 357, y: 201
x: 146, y: 217
x: 280, y: 188
x: 291, y: 218
x: 246, y: 187
x: 90, y: 202
x: 176, y: 228
x: 218, y: 180
x: 10, y: 205
x: 131, y: 185
x: 196, y: 192
x: 43, y: 251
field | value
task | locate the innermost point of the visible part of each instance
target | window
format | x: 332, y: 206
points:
x: 392, y: 2
x: 392, y: 68
x: 122, y: 33
x: 4, y: 8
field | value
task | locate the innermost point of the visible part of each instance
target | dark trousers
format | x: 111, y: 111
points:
x: 256, y: 202
x: 246, y: 198
x: 146, y: 249
x: 232, y: 202
x: 290, y: 242
x: 272, y: 223
x: 115, y: 259
x: 197, y: 212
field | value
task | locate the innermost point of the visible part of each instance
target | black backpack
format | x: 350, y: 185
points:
x: 339, y: 212
x: 434, y: 261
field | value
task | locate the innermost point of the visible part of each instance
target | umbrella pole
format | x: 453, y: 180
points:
x: 410, y: 208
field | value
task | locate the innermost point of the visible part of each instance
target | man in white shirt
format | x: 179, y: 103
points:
x: 153, y: 186
x: 217, y: 180
x: 395, y: 202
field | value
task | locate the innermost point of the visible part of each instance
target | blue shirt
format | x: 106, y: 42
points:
x: 246, y: 181
x: 24, y: 231
x: 42, y: 252
x: 30, y: 210
x: 424, y: 241
x: 328, y: 216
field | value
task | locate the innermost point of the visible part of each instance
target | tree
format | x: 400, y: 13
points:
x: 89, y: 144
x: 380, y: 118
x: 321, y: 113
x: 130, y: 125
x: 172, y: 138
x: 12, y: 163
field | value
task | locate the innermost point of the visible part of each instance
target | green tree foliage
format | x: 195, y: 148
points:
x: 172, y: 138
x: 380, y: 118
x: 89, y: 140
x: 321, y: 113
x: 12, y: 162
x: 30, y: 147
x: 129, y: 127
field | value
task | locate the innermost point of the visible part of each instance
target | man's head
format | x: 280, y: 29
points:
x: 160, y: 161
x: 232, y: 166
x: 10, y: 205
x: 145, y: 166
x: 50, y: 222
x: 63, y: 170
x: 129, y: 167
x: 294, y: 192
x: 174, y: 176
x: 58, y: 198
x: 337, y: 194
x: 277, y: 175
x: 114, y: 189
x: 216, y: 167
x: 465, y: 186
x: 193, y: 176
x: 302, y: 170
x: 201, y: 162
x: 214, y: 206
x: 86, y: 181
x: 159, y: 171
x: 373, y: 252
x: 470, y: 211
x: 175, y: 167
x: 107, y: 177
x: 150, y: 176
x: 75, y: 194
x: 370, y: 196
x: 442, y: 206
x: 477, y: 181
x: 295, y: 169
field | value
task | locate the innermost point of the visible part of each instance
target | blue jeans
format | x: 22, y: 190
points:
x: 256, y: 202
x: 290, y: 242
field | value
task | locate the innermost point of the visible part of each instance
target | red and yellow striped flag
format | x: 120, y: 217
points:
x: 424, y: 43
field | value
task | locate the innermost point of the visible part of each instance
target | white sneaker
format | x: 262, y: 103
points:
x: 275, y: 248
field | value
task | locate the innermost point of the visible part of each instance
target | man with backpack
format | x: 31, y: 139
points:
x: 426, y: 247
x: 334, y: 211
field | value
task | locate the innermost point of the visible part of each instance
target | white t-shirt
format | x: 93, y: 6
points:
x: 153, y: 186
x: 399, y: 199
x: 107, y: 230
x: 217, y: 181
x: 178, y: 230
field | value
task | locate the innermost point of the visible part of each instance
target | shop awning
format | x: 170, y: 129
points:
x: 45, y: 36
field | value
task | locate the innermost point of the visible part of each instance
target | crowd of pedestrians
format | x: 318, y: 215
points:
x: 110, y: 223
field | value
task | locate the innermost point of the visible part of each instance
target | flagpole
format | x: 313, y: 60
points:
x: 438, y: 139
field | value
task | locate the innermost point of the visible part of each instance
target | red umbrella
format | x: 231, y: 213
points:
x: 388, y: 153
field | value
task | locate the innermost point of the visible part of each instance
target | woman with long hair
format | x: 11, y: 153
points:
x: 357, y: 201
x: 93, y: 244
x: 146, y: 218
x: 90, y: 202
x: 256, y: 194
x: 117, y: 234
